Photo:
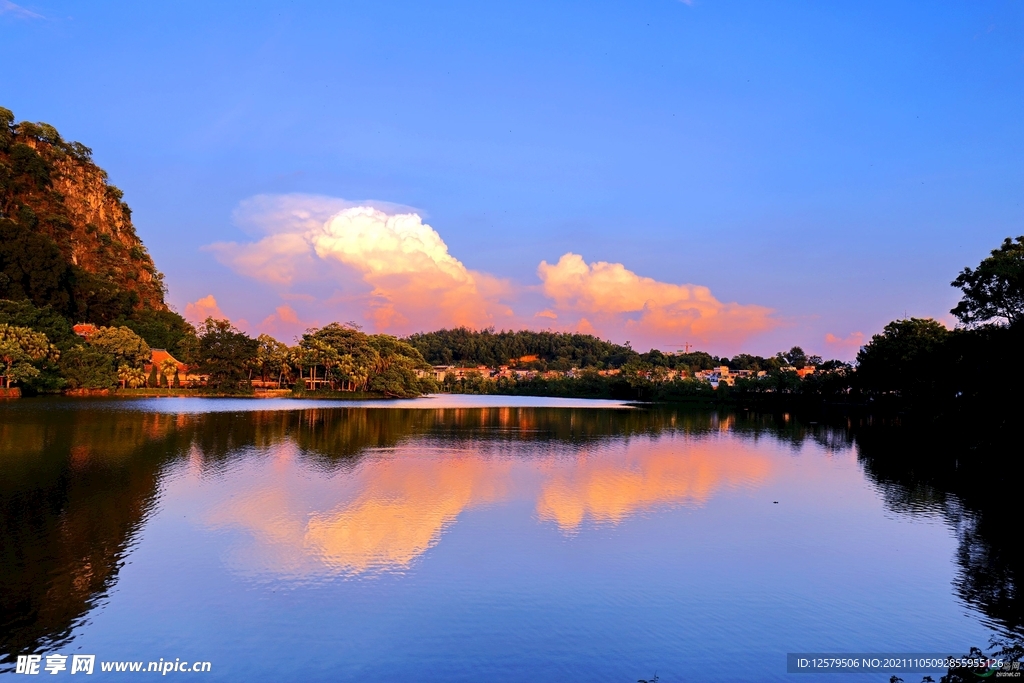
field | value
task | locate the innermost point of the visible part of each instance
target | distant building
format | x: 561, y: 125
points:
x: 85, y: 330
x: 157, y: 358
x: 716, y: 376
x: 435, y: 373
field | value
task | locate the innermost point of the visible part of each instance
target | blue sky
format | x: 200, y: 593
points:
x: 837, y: 164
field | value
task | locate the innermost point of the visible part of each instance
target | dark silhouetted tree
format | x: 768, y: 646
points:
x: 994, y: 291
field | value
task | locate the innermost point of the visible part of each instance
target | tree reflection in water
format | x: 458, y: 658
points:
x: 77, y: 485
x: 976, y: 490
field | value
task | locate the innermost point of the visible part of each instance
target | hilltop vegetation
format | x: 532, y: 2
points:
x: 68, y: 245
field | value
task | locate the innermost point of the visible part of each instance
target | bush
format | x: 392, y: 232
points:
x: 87, y: 367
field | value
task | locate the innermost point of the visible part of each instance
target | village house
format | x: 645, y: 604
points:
x: 157, y: 358
x: 85, y: 330
x: 435, y: 373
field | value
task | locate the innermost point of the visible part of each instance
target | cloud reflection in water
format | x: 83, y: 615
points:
x: 611, y: 486
x: 394, y: 505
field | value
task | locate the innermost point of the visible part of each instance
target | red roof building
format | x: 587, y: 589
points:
x: 85, y: 330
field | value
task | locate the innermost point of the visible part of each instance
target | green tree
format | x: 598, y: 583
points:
x: 46, y: 320
x: 639, y: 375
x: 995, y: 289
x: 6, y: 134
x: 169, y: 370
x: 130, y: 377
x: 123, y: 371
x: 795, y: 357
x: 395, y: 362
x: 22, y: 352
x: 33, y: 268
x: 188, y: 348
x: 315, y: 353
x: 905, y: 359
x: 344, y: 353
x: 15, y: 364
x: 160, y: 329
x: 124, y: 345
x: 271, y: 358
x: 225, y: 355
x: 473, y: 347
x: 87, y: 367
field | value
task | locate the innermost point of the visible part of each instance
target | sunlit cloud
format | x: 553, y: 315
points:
x: 854, y: 341
x: 384, y: 266
x: 381, y: 258
x: 277, y: 259
x: 201, y: 309
x: 615, y: 298
x: 416, y: 283
x: 284, y: 322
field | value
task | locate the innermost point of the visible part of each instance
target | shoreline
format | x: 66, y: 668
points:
x: 193, y: 393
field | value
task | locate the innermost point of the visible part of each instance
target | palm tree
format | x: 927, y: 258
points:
x: 136, y: 378
x: 123, y: 374
x: 168, y: 368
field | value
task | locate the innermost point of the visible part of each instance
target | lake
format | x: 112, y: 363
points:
x: 461, y: 538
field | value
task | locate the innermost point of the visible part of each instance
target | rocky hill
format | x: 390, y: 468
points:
x: 66, y: 235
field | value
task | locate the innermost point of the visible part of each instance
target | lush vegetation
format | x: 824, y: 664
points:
x: 59, y: 266
x: 915, y: 367
x: 216, y: 357
x: 69, y: 262
x: 552, y: 350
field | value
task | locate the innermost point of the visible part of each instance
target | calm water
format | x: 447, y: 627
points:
x: 463, y: 539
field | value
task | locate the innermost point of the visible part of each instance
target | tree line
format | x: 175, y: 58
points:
x: 916, y: 366
x: 217, y: 357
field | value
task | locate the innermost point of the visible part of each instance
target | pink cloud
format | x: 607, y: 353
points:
x: 844, y: 347
x: 387, y: 268
x: 394, y: 267
x: 854, y: 340
x: 416, y: 283
x: 618, y: 301
x: 284, y: 322
x: 201, y: 309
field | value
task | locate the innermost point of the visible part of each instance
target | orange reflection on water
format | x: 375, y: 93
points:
x: 391, y: 508
x: 608, y: 487
x: 402, y: 510
x: 380, y: 516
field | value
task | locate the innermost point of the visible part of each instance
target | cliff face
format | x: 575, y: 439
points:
x: 66, y: 235
x: 102, y: 239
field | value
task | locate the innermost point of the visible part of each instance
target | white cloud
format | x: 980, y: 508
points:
x: 385, y: 265
x: 408, y: 279
x: 8, y: 7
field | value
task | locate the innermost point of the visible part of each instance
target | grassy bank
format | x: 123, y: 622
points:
x: 340, y: 395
